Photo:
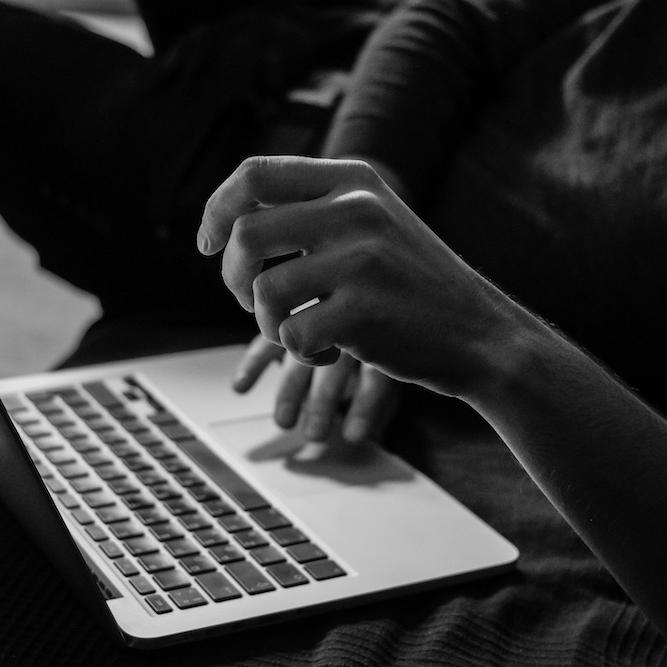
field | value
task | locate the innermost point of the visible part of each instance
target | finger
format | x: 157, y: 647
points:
x: 282, y: 289
x: 259, y: 354
x: 372, y: 407
x: 326, y: 390
x: 267, y: 180
x: 292, y: 392
x: 274, y: 232
x: 310, y: 335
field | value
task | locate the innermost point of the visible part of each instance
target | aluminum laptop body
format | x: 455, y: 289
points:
x: 334, y: 525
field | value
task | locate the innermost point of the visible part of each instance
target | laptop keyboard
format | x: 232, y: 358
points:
x: 179, y: 539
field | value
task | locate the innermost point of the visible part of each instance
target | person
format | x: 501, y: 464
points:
x: 393, y: 295
x: 526, y: 134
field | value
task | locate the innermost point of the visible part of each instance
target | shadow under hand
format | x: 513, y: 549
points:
x: 349, y: 465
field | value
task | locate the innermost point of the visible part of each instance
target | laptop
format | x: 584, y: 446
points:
x: 178, y: 510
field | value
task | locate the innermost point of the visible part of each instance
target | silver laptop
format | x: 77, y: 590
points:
x: 178, y: 510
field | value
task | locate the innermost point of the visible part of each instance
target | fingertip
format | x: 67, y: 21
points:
x: 242, y: 382
x: 203, y: 241
x: 285, y: 414
x: 356, y: 430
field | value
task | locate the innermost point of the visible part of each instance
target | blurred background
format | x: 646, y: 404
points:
x: 42, y: 317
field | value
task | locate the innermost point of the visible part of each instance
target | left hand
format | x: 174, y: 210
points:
x: 314, y: 396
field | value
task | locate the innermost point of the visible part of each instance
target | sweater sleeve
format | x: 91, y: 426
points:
x: 426, y: 69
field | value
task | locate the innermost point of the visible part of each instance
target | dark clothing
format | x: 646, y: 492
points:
x: 533, y: 138
x: 502, y: 127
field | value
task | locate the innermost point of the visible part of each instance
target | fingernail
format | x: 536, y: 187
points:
x: 316, y: 428
x: 203, y: 242
x: 355, y: 430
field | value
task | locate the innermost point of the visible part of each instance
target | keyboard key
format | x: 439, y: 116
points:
x: 174, y: 465
x: 60, y: 457
x: 43, y: 471
x: 25, y: 417
x: 121, y: 413
x: 159, y: 451
x: 72, y: 397
x: 209, y: 537
x: 166, y: 531
x: 218, y: 507
x: 324, y: 569
x: 181, y: 547
x: 60, y: 419
x: 36, y: 430
x: 83, y: 445
x: 110, y: 472
x: 178, y: 506
x: 171, y: 579
x: 249, y: 539
x: 267, y: 555
x: 72, y: 432
x: 226, y: 553
x: 98, y: 499
x: 125, y: 529
x: 146, y: 439
x: 49, y: 443
x: 68, y: 500
x: 197, y: 564
x: 134, y: 426
x: 287, y: 575
x: 111, y: 549
x: 86, y: 484
x: 250, y: 578
x: 176, y: 432
x: 13, y: 403
x: 137, y: 463
x: 113, y: 438
x: 142, y: 585
x: 86, y: 411
x: 102, y: 394
x: 95, y: 459
x: 202, y: 492
x: 188, y: 478
x: 151, y: 477
x: 122, y: 487
x: 112, y: 514
x: 139, y: 546
x: 155, y: 562
x: 72, y: 470
x: 55, y: 485
x: 99, y: 425
x: 286, y: 536
x: 234, y: 523
x: 163, y: 418
x: 218, y: 587
x: 195, y: 521
x: 123, y: 449
x: 158, y: 604
x: 137, y: 501
x: 96, y: 532
x: 270, y: 518
x: 165, y: 492
x: 151, y: 515
x: 126, y: 567
x: 82, y: 516
x: 185, y: 598
x: 302, y: 553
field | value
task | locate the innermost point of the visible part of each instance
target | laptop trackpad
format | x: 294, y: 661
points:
x: 291, y: 467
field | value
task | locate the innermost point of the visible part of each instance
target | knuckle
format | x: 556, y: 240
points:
x: 265, y: 288
x: 364, y: 172
x: 252, y: 170
x: 244, y: 231
x: 296, y: 340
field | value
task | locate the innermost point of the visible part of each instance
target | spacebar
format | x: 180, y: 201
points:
x: 228, y: 479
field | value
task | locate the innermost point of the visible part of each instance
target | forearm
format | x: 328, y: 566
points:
x: 425, y: 71
x: 596, y: 451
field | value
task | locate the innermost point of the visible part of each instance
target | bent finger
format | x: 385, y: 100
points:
x: 373, y: 405
x: 258, y: 355
x: 326, y: 391
x: 291, y: 392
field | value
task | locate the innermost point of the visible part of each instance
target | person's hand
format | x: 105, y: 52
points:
x: 313, y: 396
x: 389, y: 291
